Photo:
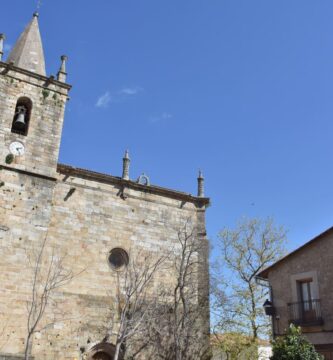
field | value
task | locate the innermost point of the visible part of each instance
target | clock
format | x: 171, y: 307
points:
x: 16, y: 148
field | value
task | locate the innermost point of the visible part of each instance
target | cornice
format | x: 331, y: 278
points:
x: 153, y: 189
x: 47, y: 80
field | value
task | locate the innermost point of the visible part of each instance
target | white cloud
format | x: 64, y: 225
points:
x: 162, y: 117
x: 104, y: 100
x: 130, y: 91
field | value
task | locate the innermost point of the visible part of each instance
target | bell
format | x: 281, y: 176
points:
x: 19, y: 122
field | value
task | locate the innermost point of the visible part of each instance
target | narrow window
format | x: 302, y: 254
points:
x: 20, y: 124
x: 306, y: 290
x: 308, y: 303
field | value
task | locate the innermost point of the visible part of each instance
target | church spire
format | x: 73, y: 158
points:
x: 28, y: 51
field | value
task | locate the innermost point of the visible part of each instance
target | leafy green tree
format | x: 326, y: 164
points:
x: 235, y: 346
x: 293, y: 346
x: 236, y: 296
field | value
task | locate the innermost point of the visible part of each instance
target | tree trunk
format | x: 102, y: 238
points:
x: 117, y: 352
x: 27, y: 349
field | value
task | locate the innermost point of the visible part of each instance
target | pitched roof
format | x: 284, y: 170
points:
x: 28, y: 51
x: 264, y: 274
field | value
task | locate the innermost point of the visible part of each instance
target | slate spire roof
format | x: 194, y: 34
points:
x: 28, y: 51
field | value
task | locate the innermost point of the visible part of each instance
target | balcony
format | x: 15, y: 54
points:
x: 305, y: 313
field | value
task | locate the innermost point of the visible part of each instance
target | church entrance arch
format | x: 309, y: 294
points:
x: 102, y: 351
x: 102, y: 356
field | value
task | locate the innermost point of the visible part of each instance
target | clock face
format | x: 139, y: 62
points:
x: 16, y: 148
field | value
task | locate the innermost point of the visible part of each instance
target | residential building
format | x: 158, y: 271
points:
x: 302, y: 292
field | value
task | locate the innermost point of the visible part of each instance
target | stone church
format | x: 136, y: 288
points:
x: 94, y: 220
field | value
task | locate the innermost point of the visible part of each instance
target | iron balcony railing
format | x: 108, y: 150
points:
x: 305, y: 313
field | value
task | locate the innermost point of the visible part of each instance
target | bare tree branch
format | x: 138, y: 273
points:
x: 48, y: 274
x: 176, y: 326
x: 133, y: 302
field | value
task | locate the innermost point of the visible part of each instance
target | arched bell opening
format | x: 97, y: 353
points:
x: 21, y: 120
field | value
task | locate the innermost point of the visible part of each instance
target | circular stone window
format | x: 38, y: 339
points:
x: 118, y: 258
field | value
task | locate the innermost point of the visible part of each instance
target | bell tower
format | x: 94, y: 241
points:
x: 32, y: 106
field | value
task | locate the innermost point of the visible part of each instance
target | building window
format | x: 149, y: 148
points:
x: 306, y: 294
x: 305, y: 310
x: 118, y: 258
x: 20, y: 124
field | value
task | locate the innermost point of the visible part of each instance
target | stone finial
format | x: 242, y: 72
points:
x: 62, y: 74
x: 126, y: 164
x: 2, y: 38
x: 201, y: 181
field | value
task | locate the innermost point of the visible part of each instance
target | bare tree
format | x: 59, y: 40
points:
x: 243, y: 253
x: 166, y: 320
x: 177, y: 329
x: 49, y: 273
x: 132, y: 303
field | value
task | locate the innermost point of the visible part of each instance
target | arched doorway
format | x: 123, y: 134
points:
x: 102, y: 356
x: 102, y: 351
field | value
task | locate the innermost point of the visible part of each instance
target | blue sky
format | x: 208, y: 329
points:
x: 242, y: 89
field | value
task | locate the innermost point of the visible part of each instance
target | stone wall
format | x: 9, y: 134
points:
x: 83, y: 220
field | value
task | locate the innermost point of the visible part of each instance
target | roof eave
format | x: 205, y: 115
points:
x: 105, y: 178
